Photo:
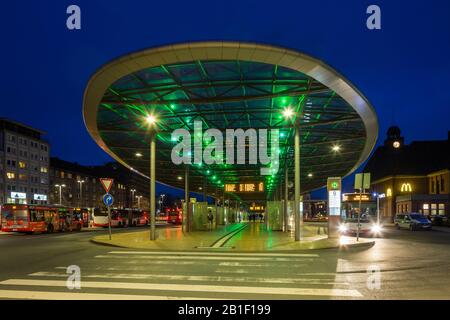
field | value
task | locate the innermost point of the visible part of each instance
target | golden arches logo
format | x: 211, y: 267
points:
x: 406, y: 187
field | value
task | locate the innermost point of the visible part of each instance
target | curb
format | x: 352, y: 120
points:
x: 361, y: 245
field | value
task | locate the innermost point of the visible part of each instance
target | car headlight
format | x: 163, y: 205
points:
x: 376, y: 228
x: 342, y: 228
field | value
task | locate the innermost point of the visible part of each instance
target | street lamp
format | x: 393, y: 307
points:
x: 151, y: 120
x: 139, y: 202
x: 80, y: 182
x: 288, y: 112
x: 132, y: 197
x: 378, y: 196
x: 60, y: 186
x: 161, y: 201
x: 336, y: 148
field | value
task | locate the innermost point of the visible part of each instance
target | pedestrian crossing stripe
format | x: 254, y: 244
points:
x: 52, y: 295
x: 320, y: 281
x: 144, y: 257
x: 193, y: 253
x: 332, y: 292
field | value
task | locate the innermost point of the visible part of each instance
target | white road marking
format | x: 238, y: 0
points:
x: 48, y: 295
x: 190, y: 253
x: 191, y: 288
x: 144, y: 257
x: 190, y: 277
x: 240, y: 271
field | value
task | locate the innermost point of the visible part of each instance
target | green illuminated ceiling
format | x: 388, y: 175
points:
x: 230, y: 94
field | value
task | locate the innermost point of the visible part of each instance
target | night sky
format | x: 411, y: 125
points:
x: 403, y: 69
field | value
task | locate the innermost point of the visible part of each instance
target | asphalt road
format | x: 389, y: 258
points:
x: 410, y: 265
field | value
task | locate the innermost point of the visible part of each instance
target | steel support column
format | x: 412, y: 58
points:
x: 286, y: 198
x: 297, y: 213
x: 186, y: 218
x: 152, y: 186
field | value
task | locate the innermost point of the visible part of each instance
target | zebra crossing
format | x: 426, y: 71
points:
x: 163, y: 275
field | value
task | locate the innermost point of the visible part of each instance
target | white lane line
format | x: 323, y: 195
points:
x: 143, y: 257
x: 238, y: 271
x: 48, y: 295
x: 143, y: 276
x: 190, y: 253
x: 191, y: 288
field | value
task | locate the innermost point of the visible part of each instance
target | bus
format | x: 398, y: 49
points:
x: 119, y: 217
x: 84, y: 215
x: 39, y: 218
x: 139, y: 218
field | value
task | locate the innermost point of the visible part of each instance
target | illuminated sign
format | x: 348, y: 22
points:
x: 256, y: 208
x: 389, y: 192
x: 18, y: 195
x: 41, y: 197
x: 406, y: 187
x: 244, y: 187
x: 356, y: 197
x: 334, y: 184
x: 334, y: 202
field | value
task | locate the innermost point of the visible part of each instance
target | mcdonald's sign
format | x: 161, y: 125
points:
x: 406, y: 187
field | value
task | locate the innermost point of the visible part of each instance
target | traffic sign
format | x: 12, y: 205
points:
x: 108, y: 200
x: 107, y: 183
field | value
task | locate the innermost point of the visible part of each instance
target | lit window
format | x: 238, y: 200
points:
x: 441, y: 208
x: 433, y: 208
x: 426, y: 208
x: 22, y: 165
x: 44, y: 169
x: 22, y: 177
x: 10, y: 175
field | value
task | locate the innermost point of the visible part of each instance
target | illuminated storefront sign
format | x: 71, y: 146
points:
x: 244, y: 187
x: 257, y: 208
x: 389, y: 192
x: 40, y: 197
x: 18, y: 195
x: 406, y: 187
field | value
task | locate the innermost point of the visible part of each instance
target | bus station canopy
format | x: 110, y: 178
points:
x: 229, y: 85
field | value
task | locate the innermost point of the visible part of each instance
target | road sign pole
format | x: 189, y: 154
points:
x: 378, y: 209
x: 359, y: 212
x: 109, y: 222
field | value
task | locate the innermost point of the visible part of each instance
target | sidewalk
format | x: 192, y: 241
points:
x: 255, y: 237
x: 167, y: 239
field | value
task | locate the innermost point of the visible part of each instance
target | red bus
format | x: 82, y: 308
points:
x: 175, y: 216
x: 119, y: 218
x: 139, y: 218
x: 37, y: 218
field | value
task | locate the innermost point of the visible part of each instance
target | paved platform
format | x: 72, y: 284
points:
x: 240, y: 237
x: 168, y: 238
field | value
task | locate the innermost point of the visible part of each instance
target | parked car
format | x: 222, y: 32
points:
x: 412, y: 221
x: 439, y: 220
